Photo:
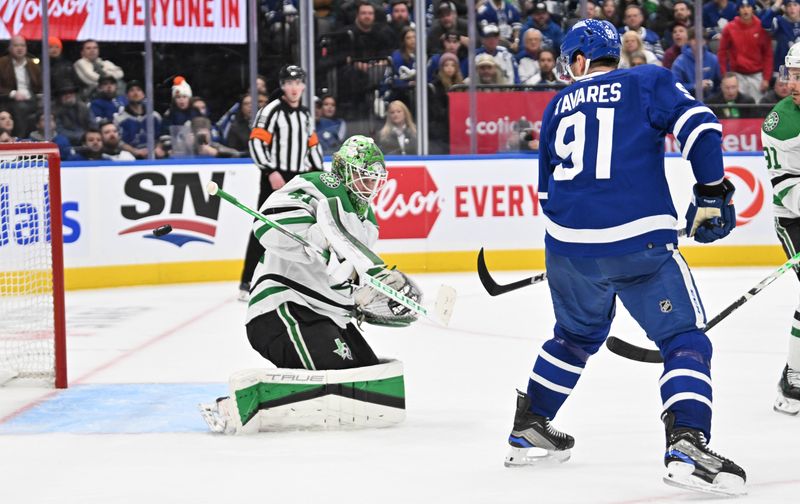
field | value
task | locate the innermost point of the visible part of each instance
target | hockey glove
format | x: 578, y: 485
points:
x: 711, y: 215
x: 375, y: 308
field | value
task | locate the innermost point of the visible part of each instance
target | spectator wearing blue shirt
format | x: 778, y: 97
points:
x: 505, y: 16
x: 716, y: 15
x: 64, y: 147
x: 450, y: 43
x: 132, y: 122
x: 404, y: 72
x: 331, y: 130
x: 785, y: 29
x: 683, y: 68
x: 540, y: 19
x: 107, y: 102
x: 505, y: 61
x: 634, y: 21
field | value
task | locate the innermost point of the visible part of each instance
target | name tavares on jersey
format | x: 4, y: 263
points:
x: 603, y: 93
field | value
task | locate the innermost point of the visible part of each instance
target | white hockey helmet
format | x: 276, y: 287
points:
x: 792, y: 60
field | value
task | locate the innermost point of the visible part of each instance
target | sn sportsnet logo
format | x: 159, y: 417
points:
x: 24, y: 17
x: 409, y: 204
x: 181, y: 202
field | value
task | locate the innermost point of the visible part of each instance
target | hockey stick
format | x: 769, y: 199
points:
x: 494, y: 288
x: 633, y: 352
x: 445, y: 298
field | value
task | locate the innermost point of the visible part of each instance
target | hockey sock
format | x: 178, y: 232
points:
x: 555, y: 373
x: 793, y: 358
x: 685, y: 385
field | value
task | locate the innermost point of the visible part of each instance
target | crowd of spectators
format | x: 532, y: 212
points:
x: 367, y: 73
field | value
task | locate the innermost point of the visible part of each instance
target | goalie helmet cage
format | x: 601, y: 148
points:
x: 32, y: 314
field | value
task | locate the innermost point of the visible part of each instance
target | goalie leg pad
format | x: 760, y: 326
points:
x: 264, y: 400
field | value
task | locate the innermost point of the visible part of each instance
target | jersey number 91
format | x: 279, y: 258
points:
x: 575, y: 148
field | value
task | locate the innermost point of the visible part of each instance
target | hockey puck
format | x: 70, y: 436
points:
x: 162, y: 230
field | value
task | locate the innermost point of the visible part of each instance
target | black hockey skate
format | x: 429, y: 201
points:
x: 691, y: 465
x: 788, y: 400
x: 533, y: 440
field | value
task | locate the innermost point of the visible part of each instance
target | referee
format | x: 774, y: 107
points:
x: 283, y: 144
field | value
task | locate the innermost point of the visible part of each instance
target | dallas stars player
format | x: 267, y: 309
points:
x: 780, y: 136
x: 301, y: 307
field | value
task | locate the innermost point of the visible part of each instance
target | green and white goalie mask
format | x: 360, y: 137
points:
x: 790, y: 70
x: 359, y: 163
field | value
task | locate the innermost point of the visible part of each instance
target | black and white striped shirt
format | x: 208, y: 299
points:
x: 283, y: 139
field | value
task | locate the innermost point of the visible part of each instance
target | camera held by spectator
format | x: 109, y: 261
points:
x: 203, y: 143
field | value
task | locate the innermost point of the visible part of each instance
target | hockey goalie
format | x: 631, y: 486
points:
x: 303, y: 306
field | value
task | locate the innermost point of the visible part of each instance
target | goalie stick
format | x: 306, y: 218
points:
x: 633, y: 352
x: 445, y: 298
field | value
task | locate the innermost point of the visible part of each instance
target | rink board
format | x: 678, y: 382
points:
x: 435, y: 214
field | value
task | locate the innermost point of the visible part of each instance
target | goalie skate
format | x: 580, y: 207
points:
x: 534, y: 442
x: 788, y: 401
x: 217, y: 416
x: 691, y: 465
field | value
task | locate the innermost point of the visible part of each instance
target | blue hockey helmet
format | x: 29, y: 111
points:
x: 594, y: 38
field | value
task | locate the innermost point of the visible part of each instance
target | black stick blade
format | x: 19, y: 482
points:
x: 633, y: 352
x: 494, y: 288
x: 486, y: 279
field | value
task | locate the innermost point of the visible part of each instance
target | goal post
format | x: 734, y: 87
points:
x: 32, y: 313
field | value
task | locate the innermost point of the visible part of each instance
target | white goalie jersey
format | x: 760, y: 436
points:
x: 290, y: 272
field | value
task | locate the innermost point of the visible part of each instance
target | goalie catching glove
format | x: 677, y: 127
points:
x: 375, y: 308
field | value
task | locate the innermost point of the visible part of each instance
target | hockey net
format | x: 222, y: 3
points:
x: 32, y: 327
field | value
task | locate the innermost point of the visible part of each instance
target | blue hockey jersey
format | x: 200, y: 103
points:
x: 601, y: 160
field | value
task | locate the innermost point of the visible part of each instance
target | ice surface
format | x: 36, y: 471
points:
x: 177, y: 342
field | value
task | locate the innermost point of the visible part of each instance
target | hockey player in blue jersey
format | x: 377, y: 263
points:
x: 611, y: 232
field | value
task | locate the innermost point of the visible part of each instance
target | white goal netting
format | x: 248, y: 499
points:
x: 29, y: 330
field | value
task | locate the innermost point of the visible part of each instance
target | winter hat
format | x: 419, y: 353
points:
x: 745, y: 3
x: 484, y: 59
x: 180, y: 87
x: 447, y: 57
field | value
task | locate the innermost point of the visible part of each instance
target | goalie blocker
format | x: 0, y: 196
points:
x: 263, y: 400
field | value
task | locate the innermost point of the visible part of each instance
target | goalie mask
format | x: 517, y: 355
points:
x: 360, y: 165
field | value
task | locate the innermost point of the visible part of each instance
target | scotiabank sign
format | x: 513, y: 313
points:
x: 199, y: 21
x: 409, y: 204
x: 738, y: 135
x: 497, y: 115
